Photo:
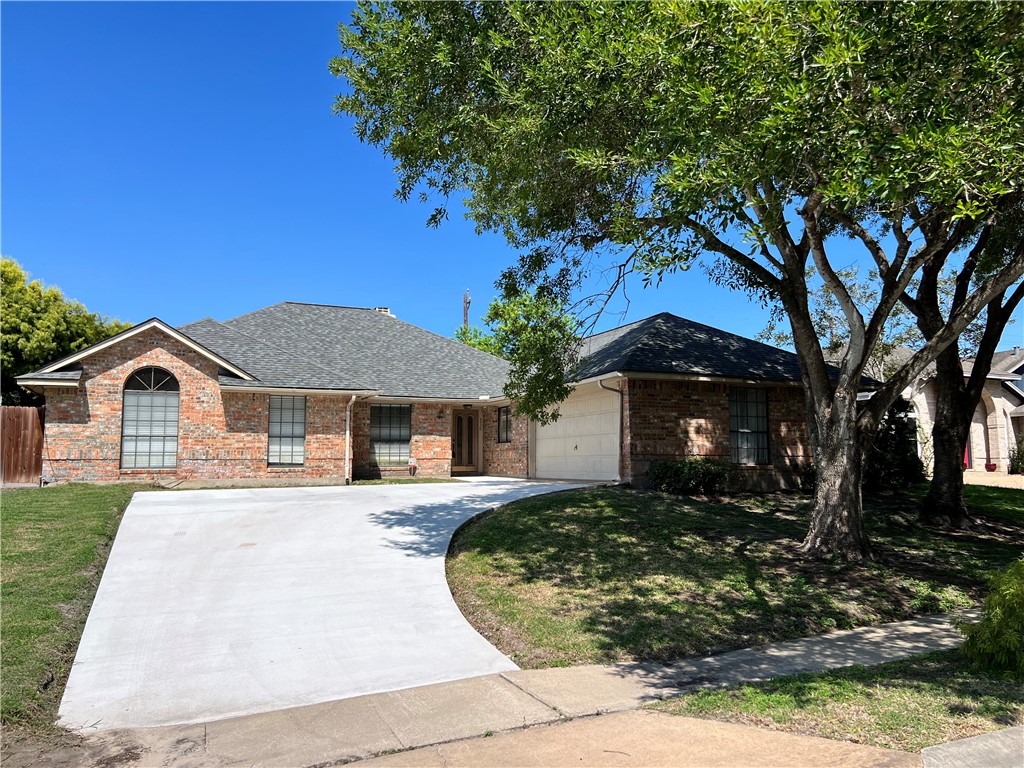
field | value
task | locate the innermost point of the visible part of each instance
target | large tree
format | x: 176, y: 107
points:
x: 650, y: 136
x: 922, y: 313
x: 956, y: 395
x: 39, y: 325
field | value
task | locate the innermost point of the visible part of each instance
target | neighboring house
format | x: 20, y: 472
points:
x: 998, y: 422
x: 308, y: 390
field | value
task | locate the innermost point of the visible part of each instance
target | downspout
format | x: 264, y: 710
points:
x: 618, y: 390
x: 348, y: 440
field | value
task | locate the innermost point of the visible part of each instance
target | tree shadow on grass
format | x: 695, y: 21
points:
x: 648, y: 577
x: 943, y: 677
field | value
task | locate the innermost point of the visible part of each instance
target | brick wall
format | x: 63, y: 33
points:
x: 666, y: 420
x: 219, y: 434
x: 431, y: 443
x: 505, y: 459
x: 224, y: 434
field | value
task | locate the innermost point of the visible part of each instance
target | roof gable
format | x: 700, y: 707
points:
x: 152, y: 323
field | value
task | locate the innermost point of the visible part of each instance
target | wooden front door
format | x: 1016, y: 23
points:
x: 465, y: 444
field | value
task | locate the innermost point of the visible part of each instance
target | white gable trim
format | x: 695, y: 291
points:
x: 160, y: 326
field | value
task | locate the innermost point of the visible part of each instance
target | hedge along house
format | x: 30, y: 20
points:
x: 290, y: 391
x: 315, y: 391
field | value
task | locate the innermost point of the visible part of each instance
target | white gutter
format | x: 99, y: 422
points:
x: 49, y: 383
x: 599, y: 379
x: 299, y: 391
x: 348, y: 440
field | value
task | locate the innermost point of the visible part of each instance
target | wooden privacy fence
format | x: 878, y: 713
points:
x: 21, y: 443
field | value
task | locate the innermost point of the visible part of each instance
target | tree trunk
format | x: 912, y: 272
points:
x: 954, y: 411
x: 837, y: 519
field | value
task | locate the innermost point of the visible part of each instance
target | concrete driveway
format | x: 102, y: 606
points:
x: 230, y: 602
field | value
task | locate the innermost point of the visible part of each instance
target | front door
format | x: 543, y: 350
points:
x: 464, y: 441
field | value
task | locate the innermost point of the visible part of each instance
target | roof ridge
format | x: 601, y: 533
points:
x: 445, y: 338
x: 253, y: 312
x: 623, y: 327
x: 288, y: 352
x: 331, y: 306
x: 727, y: 333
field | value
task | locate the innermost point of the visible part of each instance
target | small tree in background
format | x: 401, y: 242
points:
x: 39, y: 325
x: 473, y: 336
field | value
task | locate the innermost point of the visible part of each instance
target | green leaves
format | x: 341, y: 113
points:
x: 38, y: 325
x: 540, y: 339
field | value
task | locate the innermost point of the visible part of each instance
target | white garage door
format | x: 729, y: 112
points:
x: 584, y: 443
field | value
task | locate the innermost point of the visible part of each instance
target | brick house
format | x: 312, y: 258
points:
x: 316, y: 391
x: 665, y: 388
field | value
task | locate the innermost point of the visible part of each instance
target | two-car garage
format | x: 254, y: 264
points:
x: 583, y: 444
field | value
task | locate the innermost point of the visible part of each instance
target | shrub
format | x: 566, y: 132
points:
x: 693, y: 475
x: 996, y: 643
x: 892, y: 461
x: 1017, y: 458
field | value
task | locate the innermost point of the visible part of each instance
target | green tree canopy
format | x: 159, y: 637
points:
x: 478, y: 338
x: 39, y: 325
x: 752, y: 135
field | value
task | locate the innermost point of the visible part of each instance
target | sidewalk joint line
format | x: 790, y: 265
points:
x: 535, y: 697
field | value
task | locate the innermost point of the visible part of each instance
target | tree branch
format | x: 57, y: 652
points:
x: 983, y: 294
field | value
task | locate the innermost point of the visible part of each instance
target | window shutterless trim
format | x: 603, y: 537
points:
x: 286, y: 431
x: 390, y: 435
x: 505, y: 424
x: 749, y: 443
x: 150, y: 401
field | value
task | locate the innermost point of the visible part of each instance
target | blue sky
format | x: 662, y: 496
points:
x: 181, y: 160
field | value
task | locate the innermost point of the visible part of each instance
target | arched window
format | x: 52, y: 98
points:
x: 149, y: 420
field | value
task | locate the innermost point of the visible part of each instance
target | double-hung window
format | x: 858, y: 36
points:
x: 748, y: 425
x: 287, y: 444
x: 390, y: 432
x: 505, y: 424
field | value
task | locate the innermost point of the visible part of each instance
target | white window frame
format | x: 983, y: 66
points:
x: 286, y: 431
x: 749, y: 443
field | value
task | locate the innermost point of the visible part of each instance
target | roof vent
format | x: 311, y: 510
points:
x: 384, y: 311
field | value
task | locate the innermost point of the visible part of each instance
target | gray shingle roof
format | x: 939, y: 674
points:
x: 666, y: 343
x: 73, y: 375
x: 271, y: 365
x: 1008, y: 361
x: 319, y: 346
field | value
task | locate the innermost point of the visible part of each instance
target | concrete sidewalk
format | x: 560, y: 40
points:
x: 397, y: 721
x: 646, y: 738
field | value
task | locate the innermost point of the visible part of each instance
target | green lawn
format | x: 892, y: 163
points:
x: 907, y: 705
x: 604, y: 575
x: 53, y: 548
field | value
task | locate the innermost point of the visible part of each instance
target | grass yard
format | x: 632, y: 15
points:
x: 604, y: 575
x: 906, y: 705
x: 53, y: 548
